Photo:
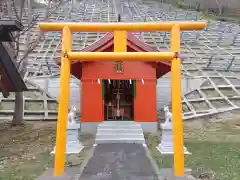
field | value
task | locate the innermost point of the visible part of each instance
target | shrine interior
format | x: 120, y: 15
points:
x: 118, y: 100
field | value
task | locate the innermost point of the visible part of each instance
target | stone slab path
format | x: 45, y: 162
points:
x: 119, y: 162
x: 116, y: 162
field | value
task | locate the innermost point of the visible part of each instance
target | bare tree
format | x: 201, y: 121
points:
x: 219, y: 6
x: 18, y: 7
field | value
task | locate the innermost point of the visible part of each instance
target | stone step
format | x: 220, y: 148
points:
x: 117, y: 136
x: 119, y: 132
x: 121, y: 123
x: 119, y: 140
x: 119, y: 126
x: 122, y: 130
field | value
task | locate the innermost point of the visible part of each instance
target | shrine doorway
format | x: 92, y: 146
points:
x: 118, y: 100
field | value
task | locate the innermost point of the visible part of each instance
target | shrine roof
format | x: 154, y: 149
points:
x: 10, y: 78
x: 110, y: 36
x: 107, y: 41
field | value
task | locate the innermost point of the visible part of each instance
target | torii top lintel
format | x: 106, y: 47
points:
x: 133, y: 27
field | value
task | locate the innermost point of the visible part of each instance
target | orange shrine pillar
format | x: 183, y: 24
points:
x: 177, y: 102
x: 59, y: 160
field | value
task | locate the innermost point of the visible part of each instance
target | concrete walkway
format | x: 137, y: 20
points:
x: 119, y: 162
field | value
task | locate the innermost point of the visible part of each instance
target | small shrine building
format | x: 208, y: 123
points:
x: 118, y: 91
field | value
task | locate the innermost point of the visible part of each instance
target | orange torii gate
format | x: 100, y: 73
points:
x: 120, y: 41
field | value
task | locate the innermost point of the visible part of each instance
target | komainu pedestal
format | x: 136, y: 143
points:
x: 73, y: 145
x: 166, y: 141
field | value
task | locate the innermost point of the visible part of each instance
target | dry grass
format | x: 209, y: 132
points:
x: 221, y: 131
x: 25, y: 150
x: 214, y: 147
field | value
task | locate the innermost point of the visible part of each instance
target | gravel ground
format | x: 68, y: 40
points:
x: 119, y: 162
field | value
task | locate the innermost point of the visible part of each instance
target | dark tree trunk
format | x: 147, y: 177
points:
x: 18, y: 116
x: 18, y: 109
